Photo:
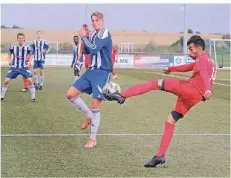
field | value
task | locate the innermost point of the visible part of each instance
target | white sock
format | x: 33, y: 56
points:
x: 36, y: 79
x: 41, y: 80
x: 95, y: 123
x: 32, y: 91
x: 79, y: 104
x: 4, y: 89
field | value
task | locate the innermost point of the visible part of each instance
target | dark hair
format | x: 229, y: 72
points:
x: 197, y: 41
x: 20, y: 34
x: 75, y: 36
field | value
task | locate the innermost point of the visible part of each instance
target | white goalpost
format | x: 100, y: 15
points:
x: 219, y: 49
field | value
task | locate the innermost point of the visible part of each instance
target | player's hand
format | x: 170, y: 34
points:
x: 208, y: 94
x: 10, y: 63
x: 44, y: 51
x: 82, y: 33
x: 78, y: 63
x: 166, y: 71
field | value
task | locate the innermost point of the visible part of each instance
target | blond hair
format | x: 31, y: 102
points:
x: 97, y: 14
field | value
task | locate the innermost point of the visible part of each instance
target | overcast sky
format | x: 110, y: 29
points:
x: 207, y: 18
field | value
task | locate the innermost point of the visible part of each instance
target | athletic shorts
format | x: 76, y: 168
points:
x: 188, y: 95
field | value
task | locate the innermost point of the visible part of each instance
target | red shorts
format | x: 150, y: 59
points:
x: 87, y: 60
x: 188, y: 95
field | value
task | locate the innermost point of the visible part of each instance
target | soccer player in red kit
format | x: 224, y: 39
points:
x: 87, y: 57
x: 189, y: 92
x: 114, y: 59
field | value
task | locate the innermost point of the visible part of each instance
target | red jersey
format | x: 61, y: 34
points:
x: 114, y: 53
x: 204, y: 72
x: 87, y: 57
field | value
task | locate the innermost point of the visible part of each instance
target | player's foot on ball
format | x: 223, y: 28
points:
x: 155, y: 161
x: 33, y: 100
x: 24, y: 90
x: 115, y: 96
x: 90, y: 143
x: 86, y: 123
x: 40, y: 87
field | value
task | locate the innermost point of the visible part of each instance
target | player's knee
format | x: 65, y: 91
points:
x: 161, y: 84
x: 95, y: 103
x: 30, y: 81
x: 174, y: 117
x: 7, y: 81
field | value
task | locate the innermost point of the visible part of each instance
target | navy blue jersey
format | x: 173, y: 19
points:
x: 38, y: 46
x: 100, y: 49
x: 19, y: 55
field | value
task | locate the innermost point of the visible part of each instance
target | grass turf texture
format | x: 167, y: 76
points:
x: 114, y: 156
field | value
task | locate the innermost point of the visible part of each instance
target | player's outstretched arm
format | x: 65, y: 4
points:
x: 181, y: 68
x: 100, y: 41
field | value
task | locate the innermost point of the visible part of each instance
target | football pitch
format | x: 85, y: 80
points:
x: 44, y: 139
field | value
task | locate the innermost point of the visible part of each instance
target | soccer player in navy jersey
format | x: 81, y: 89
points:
x: 39, y: 48
x: 190, y: 92
x: 99, y: 46
x: 77, y: 62
x: 19, y: 65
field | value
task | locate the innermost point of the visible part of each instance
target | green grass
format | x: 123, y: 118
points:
x: 114, y: 155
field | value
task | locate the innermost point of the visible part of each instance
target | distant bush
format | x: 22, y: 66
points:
x: 190, y: 30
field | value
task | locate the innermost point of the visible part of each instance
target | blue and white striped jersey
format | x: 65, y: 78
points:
x: 37, y: 48
x: 100, y: 49
x: 19, y: 55
x: 76, y: 50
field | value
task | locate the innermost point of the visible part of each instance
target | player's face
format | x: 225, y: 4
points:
x: 39, y: 35
x: 76, y: 40
x: 97, y: 23
x: 21, y: 40
x: 193, y: 50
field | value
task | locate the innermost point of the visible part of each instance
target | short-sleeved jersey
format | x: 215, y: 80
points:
x: 114, y: 53
x: 37, y: 48
x: 20, y: 54
x: 100, y: 49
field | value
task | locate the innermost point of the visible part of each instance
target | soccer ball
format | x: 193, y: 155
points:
x: 111, y: 87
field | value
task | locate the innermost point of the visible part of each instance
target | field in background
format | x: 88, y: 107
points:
x: 115, y: 155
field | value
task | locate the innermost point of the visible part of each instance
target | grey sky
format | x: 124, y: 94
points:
x: 208, y: 18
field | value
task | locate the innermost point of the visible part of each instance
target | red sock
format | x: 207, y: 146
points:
x: 25, y: 82
x: 140, y: 89
x: 166, y: 138
x: 113, y: 72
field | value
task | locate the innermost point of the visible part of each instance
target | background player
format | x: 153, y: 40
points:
x: 77, y: 61
x: 40, y: 48
x: 114, y: 59
x: 86, y: 57
x: 189, y: 92
x: 98, y: 74
x: 21, y: 54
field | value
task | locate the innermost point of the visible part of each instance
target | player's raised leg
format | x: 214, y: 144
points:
x: 79, y: 86
x: 135, y: 90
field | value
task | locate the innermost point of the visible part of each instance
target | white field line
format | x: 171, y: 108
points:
x: 184, y: 78
x: 131, y: 134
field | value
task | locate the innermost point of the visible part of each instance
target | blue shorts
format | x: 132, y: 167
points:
x: 92, y: 82
x: 77, y: 68
x: 38, y: 64
x: 14, y: 72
